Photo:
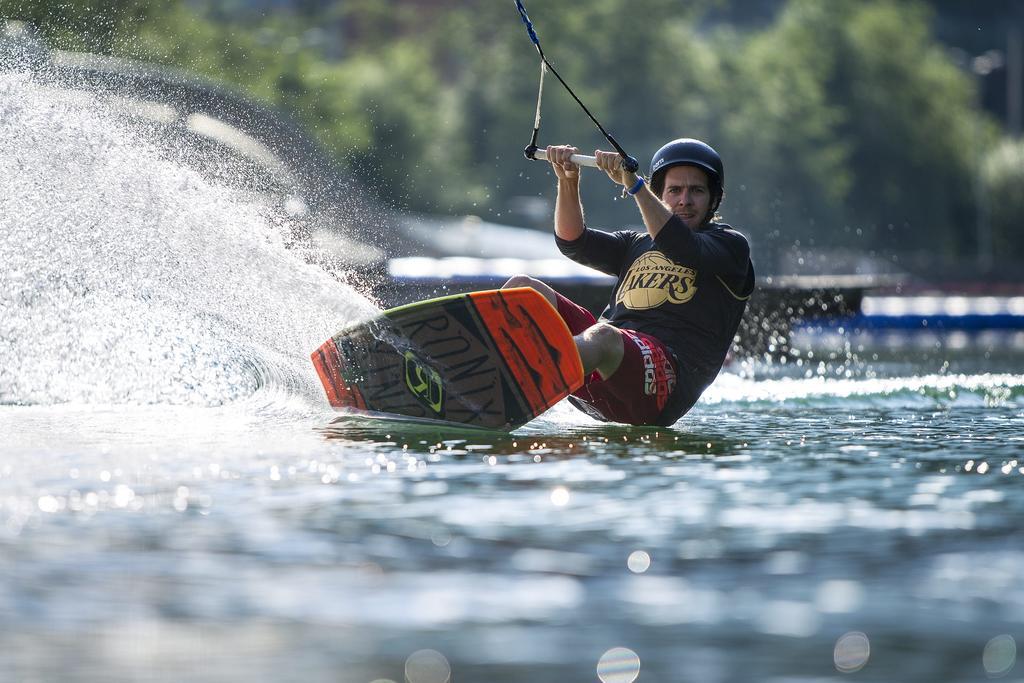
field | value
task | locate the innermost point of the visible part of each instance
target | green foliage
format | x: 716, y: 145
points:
x: 842, y: 123
x: 911, y: 112
x: 782, y: 129
x: 1003, y: 175
x: 390, y: 123
x: 854, y: 127
x: 77, y: 24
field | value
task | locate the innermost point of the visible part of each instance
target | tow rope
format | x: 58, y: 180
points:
x: 532, y: 151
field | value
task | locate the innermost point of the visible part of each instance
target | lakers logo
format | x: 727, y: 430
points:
x: 424, y: 382
x: 654, y: 279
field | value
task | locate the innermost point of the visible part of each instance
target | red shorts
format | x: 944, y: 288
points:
x: 638, y: 390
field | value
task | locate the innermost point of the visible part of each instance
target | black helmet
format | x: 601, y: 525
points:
x: 689, y: 152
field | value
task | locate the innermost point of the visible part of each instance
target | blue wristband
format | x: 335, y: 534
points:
x: 636, y: 187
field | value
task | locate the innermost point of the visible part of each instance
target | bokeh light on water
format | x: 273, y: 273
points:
x: 618, y: 665
x: 427, y: 666
x: 1000, y: 655
x: 560, y: 496
x: 852, y: 652
x: 638, y: 562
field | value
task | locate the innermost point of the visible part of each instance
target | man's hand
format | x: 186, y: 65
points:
x: 611, y: 163
x: 559, y: 156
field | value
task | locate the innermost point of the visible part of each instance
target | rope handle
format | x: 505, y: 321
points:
x: 540, y: 154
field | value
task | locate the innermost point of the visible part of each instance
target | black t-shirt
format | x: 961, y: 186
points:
x: 689, y: 289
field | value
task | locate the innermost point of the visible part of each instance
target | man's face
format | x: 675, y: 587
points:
x: 687, y: 194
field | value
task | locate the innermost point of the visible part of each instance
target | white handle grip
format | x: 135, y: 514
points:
x: 578, y: 159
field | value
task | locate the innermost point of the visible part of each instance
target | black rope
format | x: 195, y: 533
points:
x: 628, y: 163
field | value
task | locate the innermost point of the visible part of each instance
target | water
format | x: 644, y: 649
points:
x: 176, y: 503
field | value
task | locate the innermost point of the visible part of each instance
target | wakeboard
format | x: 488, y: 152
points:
x: 494, y: 359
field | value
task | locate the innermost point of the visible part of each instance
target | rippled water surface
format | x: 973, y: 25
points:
x: 178, y: 503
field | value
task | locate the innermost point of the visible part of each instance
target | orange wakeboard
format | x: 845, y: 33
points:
x: 493, y: 359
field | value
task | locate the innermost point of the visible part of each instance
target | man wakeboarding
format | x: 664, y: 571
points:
x: 681, y: 292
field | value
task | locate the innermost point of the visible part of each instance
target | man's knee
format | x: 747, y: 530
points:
x: 535, y: 284
x: 523, y: 281
x: 601, y: 348
x: 605, y: 335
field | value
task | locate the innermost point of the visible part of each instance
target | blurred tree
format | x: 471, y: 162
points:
x: 910, y: 114
x: 842, y: 123
x: 1003, y: 173
x: 79, y: 24
x: 855, y: 128
x: 780, y: 129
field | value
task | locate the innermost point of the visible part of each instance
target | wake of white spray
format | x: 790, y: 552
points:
x: 129, y: 277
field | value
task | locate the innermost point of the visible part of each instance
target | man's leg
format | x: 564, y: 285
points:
x: 600, y: 348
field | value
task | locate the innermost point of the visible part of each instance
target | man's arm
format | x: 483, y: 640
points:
x: 568, y: 207
x: 653, y: 212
